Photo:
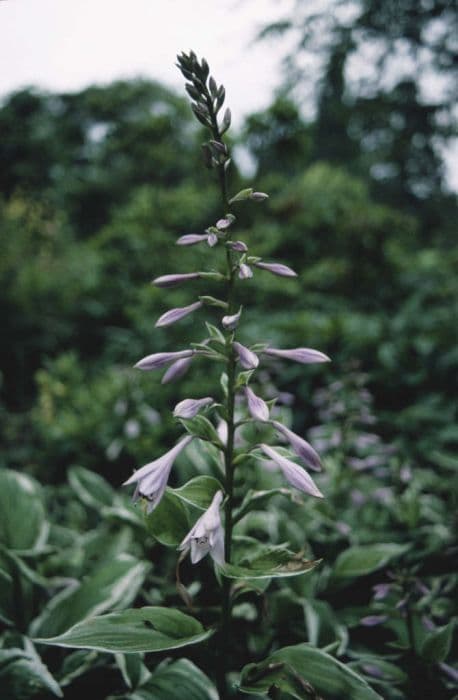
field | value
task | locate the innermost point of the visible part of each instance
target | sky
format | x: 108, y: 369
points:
x: 65, y: 45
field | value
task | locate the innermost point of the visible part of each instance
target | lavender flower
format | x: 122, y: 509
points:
x: 245, y: 271
x: 173, y: 280
x: 293, y: 473
x: 239, y: 246
x: 247, y: 358
x: 256, y: 406
x: 159, y: 359
x: 223, y: 224
x: 176, y: 370
x: 300, y: 446
x: 176, y: 314
x: 152, y: 479
x: 188, y: 408
x: 259, y: 196
x: 276, y: 269
x: 212, y: 239
x: 207, y: 535
x: 373, y: 620
x: 192, y: 238
x: 230, y: 323
x: 303, y: 355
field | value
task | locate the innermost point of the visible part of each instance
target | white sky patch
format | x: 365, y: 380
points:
x: 63, y: 45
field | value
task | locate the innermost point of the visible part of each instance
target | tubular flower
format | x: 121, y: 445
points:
x: 207, y: 535
x: 293, y: 473
x: 176, y: 370
x: 247, y: 358
x: 257, y: 407
x: 188, y: 408
x: 159, y: 359
x: 276, y: 269
x: 192, y: 238
x: 300, y: 446
x: 304, y: 355
x: 152, y: 479
x: 173, y: 280
x: 176, y: 314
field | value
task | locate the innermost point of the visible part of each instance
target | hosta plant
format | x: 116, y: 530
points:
x: 239, y: 435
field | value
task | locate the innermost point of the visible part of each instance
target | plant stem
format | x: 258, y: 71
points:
x: 224, y: 661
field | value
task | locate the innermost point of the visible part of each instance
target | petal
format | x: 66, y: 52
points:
x: 257, y: 406
x: 300, y: 446
x: 303, y: 355
x: 276, y: 269
x: 176, y: 314
x: 293, y: 473
x: 188, y: 408
x: 191, y: 239
x: 159, y: 359
x: 176, y: 370
x: 173, y: 280
x: 247, y: 358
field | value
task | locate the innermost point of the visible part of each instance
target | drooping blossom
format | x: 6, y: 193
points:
x: 207, y: 535
x: 293, y: 473
x: 230, y: 323
x: 188, y: 408
x: 152, y: 479
x: 175, y: 315
x: 159, y: 359
x: 239, y: 246
x: 247, y: 358
x: 276, y: 269
x: 176, y: 370
x: 245, y: 271
x: 192, y: 238
x: 300, y: 446
x: 212, y: 239
x: 173, y: 280
x: 303, y: 355
x: 257, y: 407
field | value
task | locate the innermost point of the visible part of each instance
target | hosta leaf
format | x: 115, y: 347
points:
x: 113, y: 585
x: 145, y: 629
x: 22, y: 517
x: 169, y: 522
x: 23, y: 674
x: 199, y: 491
x: 91, y: 488
x: 177, y: 680
x: 296, y: 669
x: 294, y: 567
x: 201, y: 427
x: 436, y: 646
x: 363, y: 560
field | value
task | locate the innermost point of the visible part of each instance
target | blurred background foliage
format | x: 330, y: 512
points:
x: 97, y: 185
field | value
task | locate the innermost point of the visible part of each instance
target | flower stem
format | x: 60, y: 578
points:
x: 225, y: 629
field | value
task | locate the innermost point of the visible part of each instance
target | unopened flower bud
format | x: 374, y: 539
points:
x: 188, y: 408
x: 212, y: 239
x: 238, y: 246
x: 245, y: 271
x: 276, y: 269
x: 176, y: 314
x: 247, y: 358
x: 259, y: 196
x: 230, y: 323
x: 191, y: 238
x: 173, y: 280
